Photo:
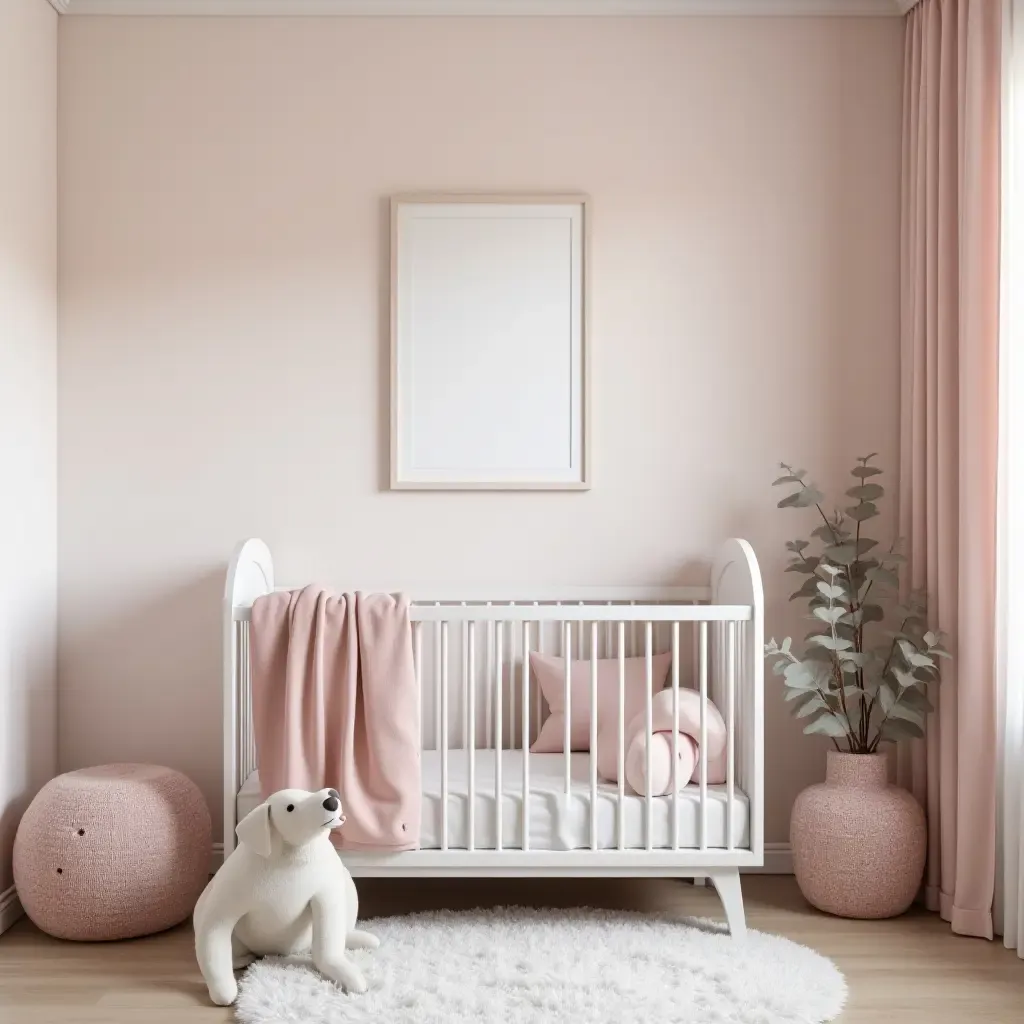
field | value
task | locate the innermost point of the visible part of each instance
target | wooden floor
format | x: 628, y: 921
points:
x: 908, y: 970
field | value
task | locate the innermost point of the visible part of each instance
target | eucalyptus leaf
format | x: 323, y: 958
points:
x: 806, y: 496
x: 785, y: 645
x: 824, y: 533
x: 865, y: 510
x: 865, y: 471
x: 832, y: 591
x: 831, y: 643
x: 904, y: 678
x: 844, y: 553
x: 918, y: 700
x: 830, y: 615
x: 799, y: 675
x: 789, y: 478
x: 805, y: 565
x: 794, y: 693
x: 866, y: 492
x: 886, y: 698
x: 872, y: 613
x: 906, y: 713
x: 827, y: 725
x: 808, y: 589
x: 813, y: 705
x: 900, y: 728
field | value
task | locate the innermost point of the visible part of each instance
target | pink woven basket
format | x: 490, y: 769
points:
x: 113, y: 852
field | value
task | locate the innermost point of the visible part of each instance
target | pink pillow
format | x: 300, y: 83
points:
x: 549, y: 672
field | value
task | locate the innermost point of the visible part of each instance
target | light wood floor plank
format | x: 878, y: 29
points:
x: 908, y: 970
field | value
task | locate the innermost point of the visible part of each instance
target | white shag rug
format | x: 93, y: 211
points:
x: 520, y: 966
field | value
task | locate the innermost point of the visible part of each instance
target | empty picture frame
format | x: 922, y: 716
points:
x: 489, y: 347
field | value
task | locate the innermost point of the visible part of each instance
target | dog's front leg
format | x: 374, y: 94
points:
x: 213, y: 951
x: 329, y: 943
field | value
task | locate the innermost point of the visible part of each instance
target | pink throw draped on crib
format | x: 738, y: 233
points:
x: 335, y: 704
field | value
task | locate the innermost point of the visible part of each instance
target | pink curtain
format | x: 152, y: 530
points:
x: 949, y: 428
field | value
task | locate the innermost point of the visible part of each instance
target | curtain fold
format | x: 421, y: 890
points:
x: 950, y: 239
x: 1009, y: 896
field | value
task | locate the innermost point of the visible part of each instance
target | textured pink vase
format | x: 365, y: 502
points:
x: 858, y: 843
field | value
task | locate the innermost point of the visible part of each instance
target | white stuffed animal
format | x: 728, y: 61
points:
x: 283, y: 890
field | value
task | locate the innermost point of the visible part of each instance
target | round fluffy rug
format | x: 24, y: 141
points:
x: 518, y: 966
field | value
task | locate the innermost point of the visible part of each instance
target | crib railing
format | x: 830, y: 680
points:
x: 498, y: 670
x: 479, y: 697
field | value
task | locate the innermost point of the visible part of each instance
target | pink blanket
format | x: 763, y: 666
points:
x: 335, y: 705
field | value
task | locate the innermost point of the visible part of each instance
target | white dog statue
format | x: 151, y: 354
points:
x: 283, y: 890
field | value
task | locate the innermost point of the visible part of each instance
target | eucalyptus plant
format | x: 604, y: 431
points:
x: 856, y: 681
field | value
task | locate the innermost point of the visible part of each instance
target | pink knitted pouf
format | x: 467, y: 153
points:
x: 113, y: 852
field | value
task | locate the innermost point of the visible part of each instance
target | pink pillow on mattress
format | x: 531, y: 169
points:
x: 549, y: 672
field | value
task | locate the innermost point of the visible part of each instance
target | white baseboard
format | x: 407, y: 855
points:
x: 10, y: 908
x: 778, y: 860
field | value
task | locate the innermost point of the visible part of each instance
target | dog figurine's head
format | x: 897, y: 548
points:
x: 297, y: 816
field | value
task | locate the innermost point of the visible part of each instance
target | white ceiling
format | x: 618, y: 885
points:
x: 608, y: 8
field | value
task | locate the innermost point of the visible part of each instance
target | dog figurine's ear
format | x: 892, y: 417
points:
x: 254, y: 830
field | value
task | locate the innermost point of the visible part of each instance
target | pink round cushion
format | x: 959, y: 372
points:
x: 113, y: 852
x: 660, y: 780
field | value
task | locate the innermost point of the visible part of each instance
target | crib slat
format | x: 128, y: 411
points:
x: 703, y: 736
x: 622, y: 736
x: 243, y: 730
x: 567, y: 736
x: 489, y: 675
x: 730, y: 765
x: 444, y: 735
x: 593, y: 735
x: 675, y: 736
x: 417, y: 657
x: 648, y: 725
x: 526, y: 657
x: 499, y: 664
x: 463, y: 640
x: 471, y: 714
x: 526, y: 736
x: 511, y: 685
x: 437, y: 684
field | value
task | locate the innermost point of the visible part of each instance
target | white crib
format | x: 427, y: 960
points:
x: 493, y: 808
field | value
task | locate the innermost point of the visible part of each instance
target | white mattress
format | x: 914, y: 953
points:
x: 557, y: 822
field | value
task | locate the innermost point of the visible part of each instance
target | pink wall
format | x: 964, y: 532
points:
x: 223, y: 352
x: 28, y: 412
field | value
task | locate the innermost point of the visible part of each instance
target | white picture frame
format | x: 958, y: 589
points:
x: 489, y: 342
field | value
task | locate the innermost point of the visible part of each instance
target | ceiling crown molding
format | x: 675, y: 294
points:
x: 480, y: 8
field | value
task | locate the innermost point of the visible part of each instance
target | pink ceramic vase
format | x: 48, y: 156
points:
x: 858, y: 843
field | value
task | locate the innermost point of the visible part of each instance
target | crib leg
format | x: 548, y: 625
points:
x: 727, y: 882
